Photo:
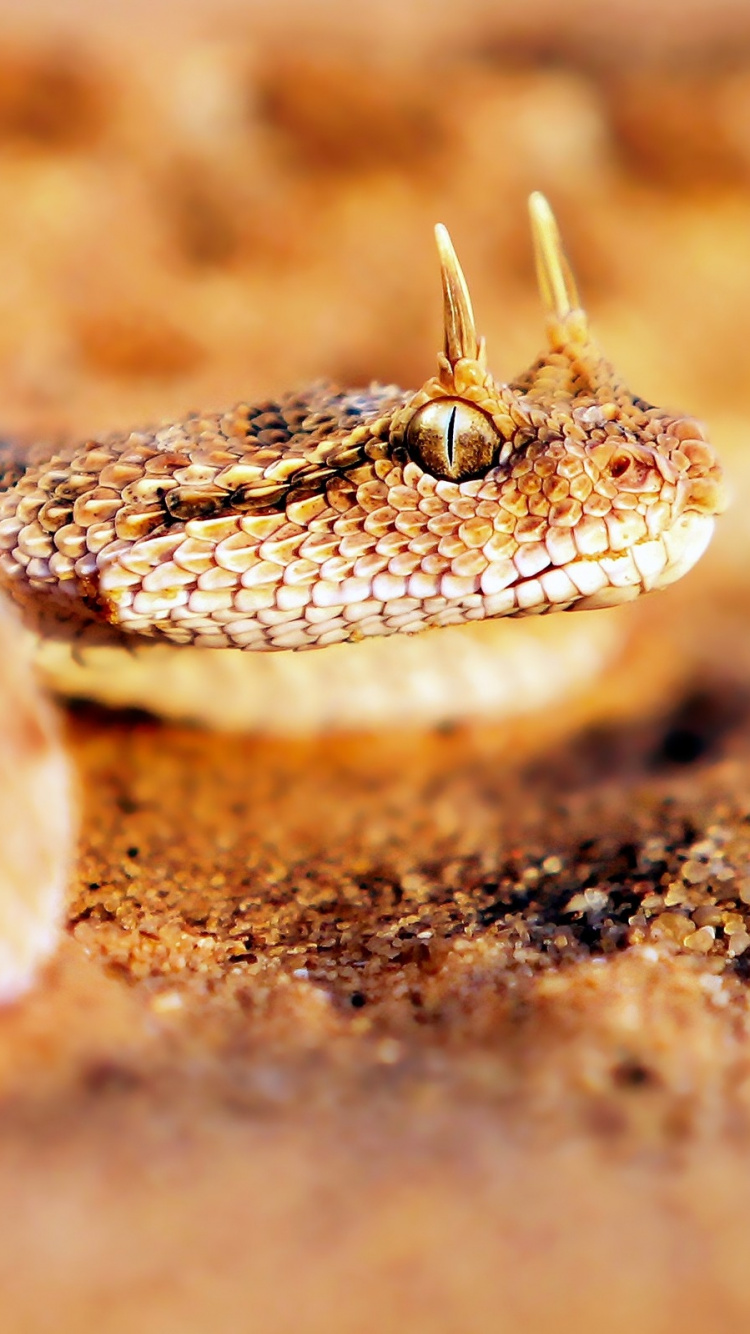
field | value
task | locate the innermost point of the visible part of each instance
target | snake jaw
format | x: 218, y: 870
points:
x: 341, y: 514
x: 625, y: 492
x: 675, y: 486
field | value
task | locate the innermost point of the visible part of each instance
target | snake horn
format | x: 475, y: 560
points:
x: 460, y: 331
x: 556, y: 281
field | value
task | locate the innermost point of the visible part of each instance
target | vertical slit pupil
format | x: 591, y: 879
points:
x: 451, y: 437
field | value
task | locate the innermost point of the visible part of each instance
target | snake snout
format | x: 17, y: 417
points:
x: 694, y: 490
x: 701, y: 486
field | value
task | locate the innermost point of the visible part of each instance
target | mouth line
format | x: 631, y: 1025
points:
x: 648, y: 565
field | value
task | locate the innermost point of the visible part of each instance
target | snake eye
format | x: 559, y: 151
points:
x: 452, y: 439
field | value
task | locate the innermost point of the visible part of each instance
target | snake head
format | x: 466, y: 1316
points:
x: 594, y: 496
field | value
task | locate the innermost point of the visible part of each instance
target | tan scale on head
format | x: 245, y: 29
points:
x: 342, y: 514
x: 582, y: 446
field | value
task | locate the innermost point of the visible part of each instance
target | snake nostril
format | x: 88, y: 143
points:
x: 619, y: 465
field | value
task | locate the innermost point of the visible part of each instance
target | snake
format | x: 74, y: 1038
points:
x: 334, y: 515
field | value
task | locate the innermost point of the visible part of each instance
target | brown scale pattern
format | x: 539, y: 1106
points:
x: 308, y: 521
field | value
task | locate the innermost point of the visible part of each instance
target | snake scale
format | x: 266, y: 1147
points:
x: 334, y: 515
x: 330, y: 516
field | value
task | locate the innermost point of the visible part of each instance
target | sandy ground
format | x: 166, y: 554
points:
x: 435, y: 1030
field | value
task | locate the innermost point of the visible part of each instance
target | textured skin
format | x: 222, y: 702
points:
x: 331, y: 516
x: 37, y: 818
x: 307, y: 522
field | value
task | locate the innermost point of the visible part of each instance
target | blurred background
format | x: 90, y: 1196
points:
x: 201, y: 202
